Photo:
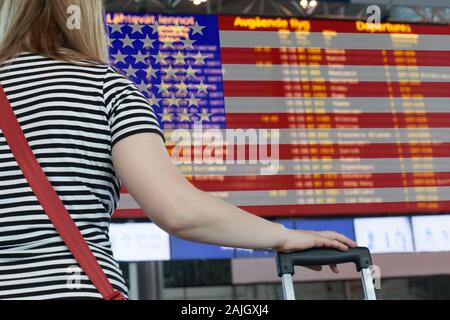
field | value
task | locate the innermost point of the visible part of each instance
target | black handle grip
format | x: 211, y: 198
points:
x: 286, y: 262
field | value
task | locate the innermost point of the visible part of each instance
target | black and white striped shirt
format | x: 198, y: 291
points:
x: 71, y: 115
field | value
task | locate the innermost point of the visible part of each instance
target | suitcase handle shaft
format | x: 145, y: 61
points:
x: 286, y: 262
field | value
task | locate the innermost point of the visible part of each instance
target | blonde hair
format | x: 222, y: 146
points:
x: 41, y: 26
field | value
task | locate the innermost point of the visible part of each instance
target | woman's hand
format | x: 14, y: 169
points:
x: 145, y: 167
x: 298, y: 240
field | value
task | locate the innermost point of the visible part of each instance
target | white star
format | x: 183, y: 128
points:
x: 116, y: 28
x: 173, y: 101
x: 166, y: 116
x: 182, y: 87
x: 148, y: 42
x: 188, y: 43
x: 110, y: 42
x: 193, y: 101
x: 185, y: 116
x: 143, y: 87
x: 160, y: 58
x: 168, y: 43
x: 191, y: 72
x: 131, y: 72
x: 205, y: 116
x: 137, y: 28
x: 163, y: 87
x: 155, y: 27
x: 154, y: 101
x: 127, y: 42
x: 140, y: 57
x: 197, y: 29
x: 179, y: 58
x: 152, y: 73
x: 171, y: 72
x: 199, y: 59
x: 119, y: 57
x: 202, y: 87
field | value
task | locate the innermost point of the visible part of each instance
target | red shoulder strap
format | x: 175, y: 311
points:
x: 50, y: 201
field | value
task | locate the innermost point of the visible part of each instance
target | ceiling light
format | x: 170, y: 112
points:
x: 304, y: 4
x: 198, y: 2
x: 308, y: 4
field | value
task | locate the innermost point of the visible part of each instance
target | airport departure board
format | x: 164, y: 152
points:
x: 286, y: 117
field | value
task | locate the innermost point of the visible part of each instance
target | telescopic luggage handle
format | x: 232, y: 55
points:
x: 286, y: 262
x: 360, y: 256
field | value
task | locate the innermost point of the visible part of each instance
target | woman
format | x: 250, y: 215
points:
x: 88, y: 125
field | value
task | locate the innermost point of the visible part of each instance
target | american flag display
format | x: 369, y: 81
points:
x: 362, y: 115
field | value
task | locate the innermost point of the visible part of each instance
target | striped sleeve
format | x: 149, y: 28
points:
x: 128, y: 110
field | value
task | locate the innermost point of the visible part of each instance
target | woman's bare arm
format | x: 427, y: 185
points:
x: 144, y: 166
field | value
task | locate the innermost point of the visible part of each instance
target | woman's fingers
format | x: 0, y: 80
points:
x: 322, y: 241
x: 334, y: 268
x: 335, y: 236
x: 339, y: 237
x: 315, y: 268
x: 326, y: 239
x: 298, y: 240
